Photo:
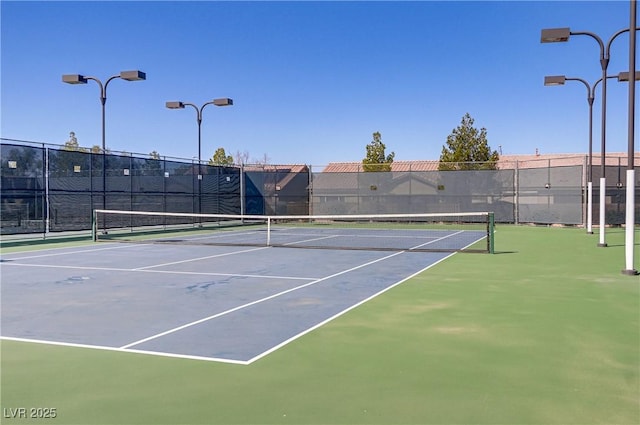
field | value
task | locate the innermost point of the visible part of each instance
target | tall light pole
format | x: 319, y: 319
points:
x: 559, y: 80
x: 631, y: 181
x: 81, y: 79
x: 555, y: 35
x: 225, y: 101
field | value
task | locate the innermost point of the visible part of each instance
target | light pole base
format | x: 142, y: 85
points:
x: 631, y: 272
x: 602, y: 245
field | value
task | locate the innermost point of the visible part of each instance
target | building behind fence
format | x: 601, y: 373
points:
x: 49, y: 189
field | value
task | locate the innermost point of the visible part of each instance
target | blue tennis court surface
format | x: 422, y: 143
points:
x: 221, y: 303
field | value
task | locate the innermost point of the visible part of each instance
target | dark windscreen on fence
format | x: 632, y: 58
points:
x: 46, y: 188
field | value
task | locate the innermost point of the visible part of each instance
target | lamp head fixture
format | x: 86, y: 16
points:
x: 555, y: 35
x: 554, y: 80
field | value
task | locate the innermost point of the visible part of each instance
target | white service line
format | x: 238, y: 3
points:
x: 436, y: 240
x: 118, y: 246
x: 56, y: 266
x: 113, y: 269
x: 127, y: 349
x: 200, y: 258
x: 335, y: 316
x: 228, y: 275
x: 311, y: 240
x: 205, y: 319
x: 221, y: 235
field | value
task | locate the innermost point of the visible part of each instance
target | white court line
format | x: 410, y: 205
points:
x: 335, y: 316
x: 437, y: 240
x: 57, y: 266
x: 232, y: 233
x: 125, y: 349
x: 120, y: 350
x: 373, y: 236
x: 145, y: 269
x: 201, y: 258
x: 433, y: 238
x: 205, y: 319
x: 310, y: 240
x: 222, y: 234
x: 119, y: 246
x: 228, y: 275
x: 223, y: 360
x: 113, y: 269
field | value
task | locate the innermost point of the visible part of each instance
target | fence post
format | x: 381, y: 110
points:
x: 548, y: 187
x: 91, y: 154
x: 516, y: 187
x: 491, y: 233
x: 94, y: 225
x: 242, y: 189
x: 589, y: 199
x: 358, y: 193
x: 46, y: 190
x: 410, y: 209
x: 310, y: 192
x: 164, y: 184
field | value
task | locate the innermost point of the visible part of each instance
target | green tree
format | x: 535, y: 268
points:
x: 220, y: 157
x: 467, y: 149
x: 376, y: 159
x: 154, y: 155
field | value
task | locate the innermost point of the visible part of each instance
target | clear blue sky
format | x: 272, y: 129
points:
x: 311, y: 81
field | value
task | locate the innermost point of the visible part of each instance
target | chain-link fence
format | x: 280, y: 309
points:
x: 45, y: 189
x: 52, y: 189
x: 540, y: 191
x: 414, y: 192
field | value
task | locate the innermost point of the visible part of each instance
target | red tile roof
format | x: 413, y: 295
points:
x: 506, y: 162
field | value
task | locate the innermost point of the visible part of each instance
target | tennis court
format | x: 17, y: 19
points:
x: 544, y: 332
x: 194, y: 299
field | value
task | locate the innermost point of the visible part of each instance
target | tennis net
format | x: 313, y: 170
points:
x: 464, y: 232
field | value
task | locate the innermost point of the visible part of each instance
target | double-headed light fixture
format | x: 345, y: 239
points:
x: 81, y: 79
x: 124, y: 75
x: 224, y: 101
